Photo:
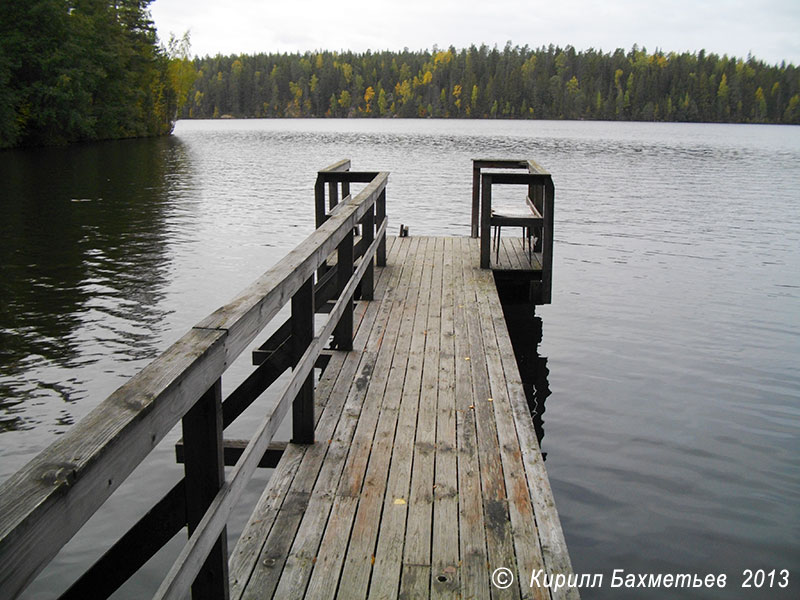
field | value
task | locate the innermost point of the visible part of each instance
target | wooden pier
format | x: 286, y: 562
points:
x: 414, y: 470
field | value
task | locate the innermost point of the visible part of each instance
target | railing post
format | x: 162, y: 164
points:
x: 536, y: 192
x: 345, y: 189
x: 547, y: 241
x: 476, y: 197
x: 302, y: 335
x: 333, y: 194
x: 204, y: 467
x: 343, y: 335
x: 486, y: 222
x: 319, y: 200
x: 380, y: 216
x: 368, y: 235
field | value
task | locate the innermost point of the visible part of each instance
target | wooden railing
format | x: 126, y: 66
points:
x: 43, y: 505
x: 541, y: 199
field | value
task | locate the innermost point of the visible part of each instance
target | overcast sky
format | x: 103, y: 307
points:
x: 768, y: 29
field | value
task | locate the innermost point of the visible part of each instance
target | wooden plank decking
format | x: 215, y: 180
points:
x: 514, y: 255
x: 426, y: 475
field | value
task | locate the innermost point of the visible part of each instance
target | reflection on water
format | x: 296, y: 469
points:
x: 83, y: 264
x: 525, y: 331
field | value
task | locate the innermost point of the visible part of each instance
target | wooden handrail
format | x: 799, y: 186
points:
x: 188, y: 564
x: 45, y: 503
x: 540, y: 198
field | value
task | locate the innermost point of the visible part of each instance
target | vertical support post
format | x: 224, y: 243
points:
x: 476, y: 197
x: 302, y: 335
x: 547, y: 241
x: 486, y: 214
x: 204, y: 467
x: 343, y: 334
x: 333, y: 194
x: 537, y: 196
x: 368, y: 235
x: 345, y: 189
x: 319, y: 200
x: 380, y: 217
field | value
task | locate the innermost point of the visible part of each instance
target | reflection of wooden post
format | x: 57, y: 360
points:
x: 476, y: 197
x: 486, y: 214
x: 205, y: 474
x: 302, y: 335
x: 368, y: 228
x: 380, y: 214
x: 343, y: 335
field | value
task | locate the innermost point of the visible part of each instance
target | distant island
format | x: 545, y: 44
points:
x: 510, y: 83
x: 73, y: 72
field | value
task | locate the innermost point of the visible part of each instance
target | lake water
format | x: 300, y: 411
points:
x: 672, y: 346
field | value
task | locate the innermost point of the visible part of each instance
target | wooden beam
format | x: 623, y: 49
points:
x: 48, y: 500
x: 130, y: 553
x: 201, y: 541
x: 343, y: 335
x: 205, y: 475
x: 486, y: 213
x: 248, y: 313
x: 476, y: 198
x: 518, y: 178
x: 381, y: 221
x: 302, y: 334
x: 232, y: 451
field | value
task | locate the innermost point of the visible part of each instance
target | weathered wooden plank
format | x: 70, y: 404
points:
x: 330, y: 557
x: 264, y: 573
x: 472, y: 531
x: 554, y: 549
x: 360, y: 554
x: 416, y: 578
x: 301, y: 558
x: 500, y: 163
x: 339, y: 165
x: 445, y: 582
x: 48, y: 500
x: 499, y: 543
x: 294, y: 578
x: 517, y: 253
x: 523, y: 520
x: 259, y: 526
x: 391, y: 538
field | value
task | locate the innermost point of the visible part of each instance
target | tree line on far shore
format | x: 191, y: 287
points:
x: 514, y: 83
x: 83, y: 70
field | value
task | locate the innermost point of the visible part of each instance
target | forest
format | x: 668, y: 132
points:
x: 82, y: 70
x: 512, y: 83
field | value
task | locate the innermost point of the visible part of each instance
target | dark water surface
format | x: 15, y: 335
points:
x: 672, y: 346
